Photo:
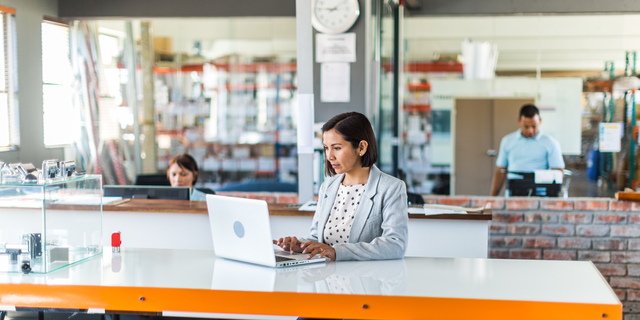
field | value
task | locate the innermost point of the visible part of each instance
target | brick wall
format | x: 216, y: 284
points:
x: 605, y: 231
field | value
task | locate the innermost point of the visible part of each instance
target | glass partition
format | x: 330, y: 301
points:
x: 224, y: 92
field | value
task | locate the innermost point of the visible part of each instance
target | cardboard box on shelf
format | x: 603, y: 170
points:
x: 267, y: 150
x: 162, y: 44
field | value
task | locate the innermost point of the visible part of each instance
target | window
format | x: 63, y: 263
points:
x: 9, y: 124
x: 59, y: 116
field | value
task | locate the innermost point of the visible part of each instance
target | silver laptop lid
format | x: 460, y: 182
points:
x: 240, y: 229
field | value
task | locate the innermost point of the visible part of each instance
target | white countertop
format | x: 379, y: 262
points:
x: 489, y: 279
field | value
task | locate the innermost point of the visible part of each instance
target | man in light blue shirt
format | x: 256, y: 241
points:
x: 526, y: 150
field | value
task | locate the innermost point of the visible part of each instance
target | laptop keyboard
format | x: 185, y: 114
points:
x: 279, y: 259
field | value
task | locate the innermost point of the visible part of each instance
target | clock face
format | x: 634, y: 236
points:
x: 334, y: 16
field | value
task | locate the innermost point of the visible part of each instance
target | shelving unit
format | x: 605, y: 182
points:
x: 613, y: 99
x: 420, y: 123
x: 235, y: 117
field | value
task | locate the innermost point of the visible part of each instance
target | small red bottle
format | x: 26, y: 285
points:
x: 115, y: 242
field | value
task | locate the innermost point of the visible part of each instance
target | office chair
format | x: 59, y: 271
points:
x: 206, y: 190
x: 414, y: 198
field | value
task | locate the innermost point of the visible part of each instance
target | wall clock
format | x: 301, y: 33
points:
x: 334, y: 16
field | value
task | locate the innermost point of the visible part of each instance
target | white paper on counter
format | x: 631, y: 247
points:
x: 309, y: 206
x: 335, y: 82
x: 429, y: 211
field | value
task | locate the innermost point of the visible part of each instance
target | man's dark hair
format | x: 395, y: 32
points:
x: 529, y: 111
x: 353, y: 127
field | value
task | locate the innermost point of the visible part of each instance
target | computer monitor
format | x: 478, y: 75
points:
x: 148, y: 192
x: 525, y: 185
x: 152, y: 180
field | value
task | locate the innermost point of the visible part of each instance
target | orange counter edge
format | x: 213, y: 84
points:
x: 143, y: 299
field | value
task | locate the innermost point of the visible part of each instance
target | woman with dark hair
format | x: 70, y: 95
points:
x: 361, y: 212
x: 183, y: 172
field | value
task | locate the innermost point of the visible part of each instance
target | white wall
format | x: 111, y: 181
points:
x: 255, y: 36
x: 29, y: 14
x: 565, y: 42
x: 559, y: 100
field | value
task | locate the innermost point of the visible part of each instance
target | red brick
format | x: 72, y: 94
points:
x: 499, y: 254
x: 523, y: 229
x: 630, y: 307
x: 574, y: 243
x: 455, y: 201
x: 630, y: 316
x: 558, y: 229
x: 539, y: 243
x: 625, y: 231
x: 634, y: 218
x: 608, y: 244
x: 505, y: 242
x: 625, y: 282
x: 432, y: 197
x: 232, y: 194
x: 268, y: 197
x: 576, y: 218
x: 584, y: 205
x: 592, y: 230
x: 625, y: 257
x: 558, y: 205
x: 610, y: 218
x: 519, y: 203
x: 497, y: 228
x: 507, y: 217
x: 621, y: 293
x: 633, y: 269
x: 541, y: 217
x: 625, y: 205
x: 632, y: 295
x: 559, y: 255
x: 497, y: 203
x: 634, y: 244
x: 287, y: 198
x: 610, y: 269
x: 525, y: 254
x: 595, y: 256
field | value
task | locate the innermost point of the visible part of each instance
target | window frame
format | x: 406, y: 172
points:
x: 60, y: 23
x: 9, y: 47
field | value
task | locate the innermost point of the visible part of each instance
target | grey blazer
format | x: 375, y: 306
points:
x: 379, y: 230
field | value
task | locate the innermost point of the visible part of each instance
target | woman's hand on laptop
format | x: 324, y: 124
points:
x: 291, y: 244
x: 321, y: 249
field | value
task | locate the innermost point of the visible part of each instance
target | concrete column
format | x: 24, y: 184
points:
x: 304, y: 37
x: 149, y: 163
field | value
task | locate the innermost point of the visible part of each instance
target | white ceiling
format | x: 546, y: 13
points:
x: 561, y: 42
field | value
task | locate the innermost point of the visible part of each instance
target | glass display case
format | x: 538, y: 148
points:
x: 50, y: 225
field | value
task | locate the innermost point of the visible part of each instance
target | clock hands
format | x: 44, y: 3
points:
x: 336, y: 6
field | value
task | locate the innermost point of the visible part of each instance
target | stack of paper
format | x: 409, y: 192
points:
x: 434, y: 209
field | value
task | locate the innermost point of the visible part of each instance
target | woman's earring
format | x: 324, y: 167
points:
x: 361, y: 154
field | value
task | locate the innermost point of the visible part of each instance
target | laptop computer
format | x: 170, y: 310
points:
x: 241, y: 231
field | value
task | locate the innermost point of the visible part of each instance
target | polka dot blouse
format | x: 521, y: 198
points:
x: 342, y: 214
